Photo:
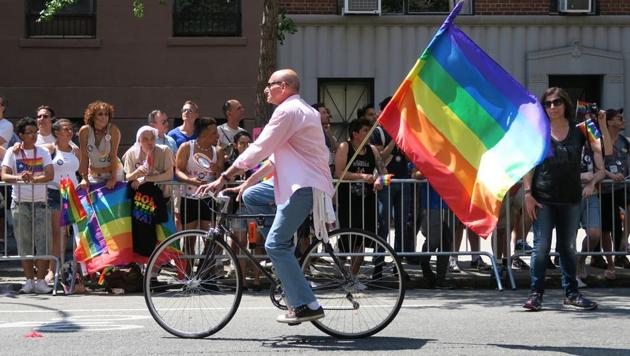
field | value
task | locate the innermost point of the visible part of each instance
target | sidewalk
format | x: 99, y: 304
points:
x: 471, y: 278
x: 11, y: 277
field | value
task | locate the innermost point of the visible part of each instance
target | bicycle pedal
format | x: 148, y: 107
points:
x: 294, y: 324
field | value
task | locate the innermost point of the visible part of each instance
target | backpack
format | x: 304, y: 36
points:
x: 128, y: 278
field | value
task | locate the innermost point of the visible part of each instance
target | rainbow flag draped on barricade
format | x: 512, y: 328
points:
x: 470, y: 127
x: 103, y: 233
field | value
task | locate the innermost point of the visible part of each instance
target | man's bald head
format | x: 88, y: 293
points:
x: 282, y: 84
x: 290, y: 77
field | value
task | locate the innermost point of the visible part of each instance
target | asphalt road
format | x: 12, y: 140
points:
x: 456, y: 322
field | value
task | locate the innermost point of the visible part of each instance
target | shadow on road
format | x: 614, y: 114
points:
x: 327, y: 343
x: 61, y: 325
x: 581, y: 351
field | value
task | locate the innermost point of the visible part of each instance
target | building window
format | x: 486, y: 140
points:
x: 419, y: 7
x: 207, y: 18
x: 76, y: 21
x: 343, y: 96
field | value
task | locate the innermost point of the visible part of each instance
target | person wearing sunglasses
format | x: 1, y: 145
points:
x: 65, y: 159
x: 159, y: 120
x: 186, y: 132
x: 552, y: 195
x: 99, y: 139
x: 45, y: 118
x: 294, y: 139
x: 30, y: 164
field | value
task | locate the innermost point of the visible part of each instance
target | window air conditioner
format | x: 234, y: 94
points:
x: 366, y: 7
x: 574, y: 6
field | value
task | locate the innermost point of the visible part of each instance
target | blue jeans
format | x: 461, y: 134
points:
x: 398, y: 196
x: 565, y: 218
x: 279, y: 238
x: 260, y: 199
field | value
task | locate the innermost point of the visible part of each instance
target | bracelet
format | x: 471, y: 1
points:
x: 528, y: 191
x: 225, y: 175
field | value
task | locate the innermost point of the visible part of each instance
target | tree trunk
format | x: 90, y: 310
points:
x: 267, y: 61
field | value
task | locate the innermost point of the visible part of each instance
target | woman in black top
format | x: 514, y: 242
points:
x: 552, y: 198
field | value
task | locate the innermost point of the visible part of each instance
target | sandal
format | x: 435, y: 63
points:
x: 609, y: 274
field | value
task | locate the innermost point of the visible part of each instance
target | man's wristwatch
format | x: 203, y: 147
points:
x: 225, y: 176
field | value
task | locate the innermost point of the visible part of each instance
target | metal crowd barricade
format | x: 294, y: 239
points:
x: 619, y: 227
x: 10, y: 227
x: 410, y: 224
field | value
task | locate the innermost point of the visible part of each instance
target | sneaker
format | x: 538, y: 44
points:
x: 41, y: 287
x: 300, y: 314
x: 622, y: 261
x: 534, y: 302
x: 27, y: 287
x: 452, y: 265
x: 579, y: 303
x: 598, y: 262
x: 522, y: 247
x: 581, y: 283
x: 581, y: 270
x: 518, y: 263
x: 480, y: 265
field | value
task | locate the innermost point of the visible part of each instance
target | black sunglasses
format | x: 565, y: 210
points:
x: 555, y: 102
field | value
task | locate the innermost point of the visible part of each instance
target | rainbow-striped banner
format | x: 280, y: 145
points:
x: 467, y: 125
x: 104, y: 238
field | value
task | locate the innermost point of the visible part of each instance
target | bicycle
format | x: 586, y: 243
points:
x: 356, y: 276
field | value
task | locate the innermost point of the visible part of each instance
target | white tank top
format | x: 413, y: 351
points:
x: 65, y: 165
x: 194, y: 170
x: 99, y: 155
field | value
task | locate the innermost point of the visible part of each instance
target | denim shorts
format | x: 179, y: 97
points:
x: 31, y: 224
x: 589, y: 213
x: 54, y: 199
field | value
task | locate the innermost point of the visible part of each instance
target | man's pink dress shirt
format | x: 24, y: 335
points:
x: 294, y: 141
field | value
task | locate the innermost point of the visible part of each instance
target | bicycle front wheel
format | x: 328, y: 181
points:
x: 359, y: 281
x: 186, y: 286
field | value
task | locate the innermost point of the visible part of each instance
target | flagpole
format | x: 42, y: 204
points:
x: 356, y: 153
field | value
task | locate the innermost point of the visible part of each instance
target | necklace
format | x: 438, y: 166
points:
x: 202, y: 148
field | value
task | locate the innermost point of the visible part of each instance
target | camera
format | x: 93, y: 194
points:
x: 592, y: 109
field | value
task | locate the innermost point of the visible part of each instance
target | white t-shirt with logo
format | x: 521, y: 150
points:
x: 28, y: 160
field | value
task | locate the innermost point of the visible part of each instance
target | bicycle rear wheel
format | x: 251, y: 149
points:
x: 186, y: 287
x: 367, y: 295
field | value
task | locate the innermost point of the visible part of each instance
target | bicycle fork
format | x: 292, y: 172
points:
x: 346, y: 276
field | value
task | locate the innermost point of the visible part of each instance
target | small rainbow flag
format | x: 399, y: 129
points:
x: 261, y: 165
x: 465, y: 123
x: 590, y: 130
x: 72, y: 209
x: 386, y: 179
x: 582, y: 107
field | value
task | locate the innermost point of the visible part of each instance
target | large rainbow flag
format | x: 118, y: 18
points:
x: 467, y: 125
x: 104, y: 238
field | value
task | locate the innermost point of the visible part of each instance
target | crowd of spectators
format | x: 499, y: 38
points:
x: 47, y: 150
